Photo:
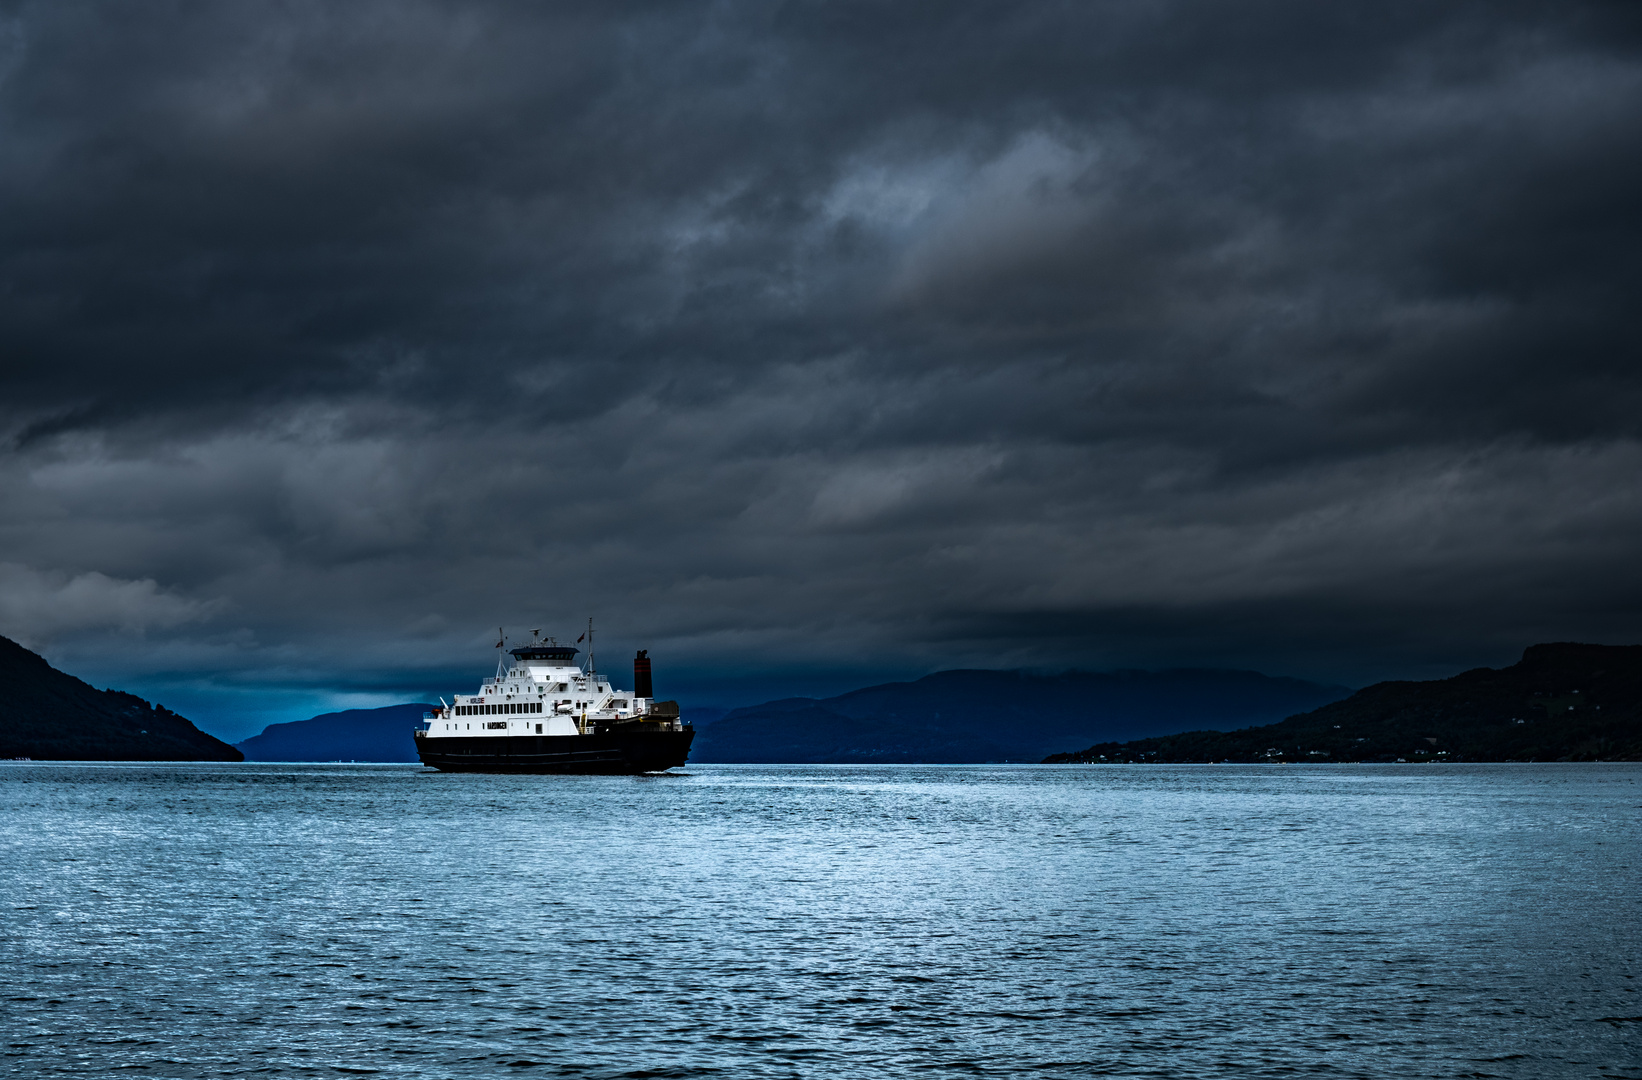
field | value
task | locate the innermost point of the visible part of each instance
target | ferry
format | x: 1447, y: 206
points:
x: 546, y: 713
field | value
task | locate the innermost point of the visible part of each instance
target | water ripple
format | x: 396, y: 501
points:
x: 264, y: 920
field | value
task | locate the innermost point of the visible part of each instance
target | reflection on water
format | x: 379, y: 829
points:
x: 755, y: 921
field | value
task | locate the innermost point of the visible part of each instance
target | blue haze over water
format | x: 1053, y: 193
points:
x: 757, y: 921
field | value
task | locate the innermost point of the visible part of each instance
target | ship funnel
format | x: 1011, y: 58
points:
x: 641, y: 675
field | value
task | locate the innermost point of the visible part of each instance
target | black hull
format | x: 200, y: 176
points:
x: 607, y: 753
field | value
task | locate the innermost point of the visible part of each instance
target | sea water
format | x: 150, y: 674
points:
x: 757, y: 921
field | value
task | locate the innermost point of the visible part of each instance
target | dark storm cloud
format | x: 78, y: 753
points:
x: 803, y: 337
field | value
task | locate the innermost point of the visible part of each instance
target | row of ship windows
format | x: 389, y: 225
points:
x: 494, y: 724
x: 513, y: 707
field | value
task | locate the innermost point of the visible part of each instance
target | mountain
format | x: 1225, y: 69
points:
x: 1560, y: 702
x: 352, y: 735
x: 50, y: 716
x: 979, y: 716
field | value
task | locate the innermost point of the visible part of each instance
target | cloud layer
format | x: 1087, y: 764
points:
x: 801, y: 339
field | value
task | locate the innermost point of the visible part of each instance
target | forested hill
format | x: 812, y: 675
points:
x: 50, y: 716
x: 1561, y: 702
x: 981, y: 716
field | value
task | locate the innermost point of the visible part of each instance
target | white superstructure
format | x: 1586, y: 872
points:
x: 544, y: 691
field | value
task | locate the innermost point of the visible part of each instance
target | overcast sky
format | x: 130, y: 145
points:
x: 809, y: 345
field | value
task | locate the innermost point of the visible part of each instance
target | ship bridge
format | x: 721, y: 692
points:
x: 548, y: 655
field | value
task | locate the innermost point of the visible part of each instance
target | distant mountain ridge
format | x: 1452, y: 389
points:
x: 967, y: 716
x: 1561, y: 702
x: 376, y: 735
x: 49, y: 715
